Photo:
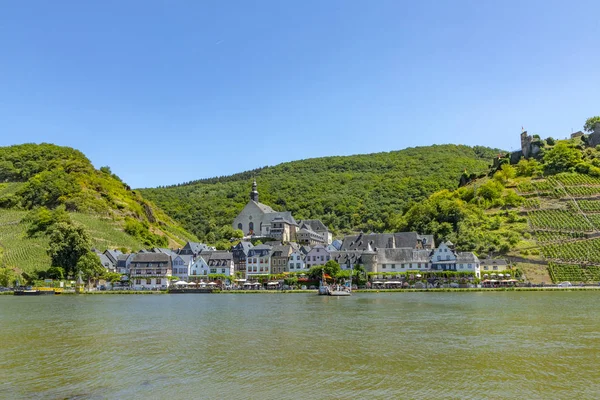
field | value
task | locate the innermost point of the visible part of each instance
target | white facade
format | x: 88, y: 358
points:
x: 296, y: 262
x: 318, y: 255
x: 138, y: 283
x: 257, y: 265
x: 181, y: 267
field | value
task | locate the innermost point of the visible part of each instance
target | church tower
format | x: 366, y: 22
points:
x: 254, y: 192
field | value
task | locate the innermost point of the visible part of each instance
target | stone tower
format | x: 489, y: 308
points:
x: 369, y: 259
x: 525, y: 144
x: 254, y: 192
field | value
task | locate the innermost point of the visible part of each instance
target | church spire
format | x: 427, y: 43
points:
x: 254, y: 192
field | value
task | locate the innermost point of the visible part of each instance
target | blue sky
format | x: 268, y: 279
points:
x: 170, y: 91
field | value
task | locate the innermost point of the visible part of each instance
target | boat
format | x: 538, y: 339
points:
x: 32, y: 292
x: 340, y: 290
x: 335, y: 290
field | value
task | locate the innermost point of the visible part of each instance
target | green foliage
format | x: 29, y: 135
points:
x: 141, y: 231
x: 490, y: 190
x: 530, y: 167
x: 561, y: 158
x: 48, y: 188
x: 7, y: 276
x: 331, y: 268
x: 51, y: 176
x: 68, y: 243
x: 41, y: 220
x: 55, y: 273
x: 89, y: 265
x: 550, y: 141
x: 505, y: 173
x: 590, y: 123
x: 363, y: 192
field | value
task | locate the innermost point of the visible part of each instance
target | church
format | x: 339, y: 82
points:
x: 260, y: 220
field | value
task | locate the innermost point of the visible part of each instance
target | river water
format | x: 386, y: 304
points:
x: 276, y: 346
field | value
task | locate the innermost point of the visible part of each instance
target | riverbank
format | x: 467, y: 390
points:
x: 435, y: 290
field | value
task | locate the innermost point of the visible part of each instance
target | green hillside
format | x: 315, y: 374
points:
x: 543, y: 213
x: 351, y: 193
x: 36, y: 177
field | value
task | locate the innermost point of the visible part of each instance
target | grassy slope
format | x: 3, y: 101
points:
x: 360, y: 192
x: 102, y: 200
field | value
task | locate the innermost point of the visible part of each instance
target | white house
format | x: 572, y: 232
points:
x: 150, y: 271
x: 318, y: 255
x: 296, y: 262
x: 259, y: 260
x: 182, y: 265
x: 212, y: 262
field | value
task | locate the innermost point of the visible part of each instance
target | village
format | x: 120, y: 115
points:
x: 283, y: 247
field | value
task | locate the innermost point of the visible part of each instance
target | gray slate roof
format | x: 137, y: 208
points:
x: 466, y: 257
x: 493, y: 261
x: 314, y: 224
x: 196, y: 247
x: 151, y: 257
x: 400, y: 256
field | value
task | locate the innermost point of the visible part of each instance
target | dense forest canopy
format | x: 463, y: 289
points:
x: 349, y: 193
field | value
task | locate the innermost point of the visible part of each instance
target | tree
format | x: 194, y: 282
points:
x: 505, y: 173
x: 90, y: 266
x: 41, y: 219
x: 7, y: 276
x: 55, y: 273
x: 490, y: 190
x: 561, y: 158
x: 590, y: 123
x: 68, y: 243
x: 331, y: 268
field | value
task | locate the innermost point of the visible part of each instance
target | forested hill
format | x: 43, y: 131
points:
x: 348, y: 193
x: 37, y: 179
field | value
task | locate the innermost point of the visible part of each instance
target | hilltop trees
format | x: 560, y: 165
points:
x: 590, y: 123
x: 561, y: 158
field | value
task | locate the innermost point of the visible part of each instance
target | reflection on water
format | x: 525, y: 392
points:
x: 385, y: 345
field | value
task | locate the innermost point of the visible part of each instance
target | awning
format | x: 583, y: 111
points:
x: 273, y: 283
x: 393, y: 283
x: 181, y: 283
x: 377, y: 283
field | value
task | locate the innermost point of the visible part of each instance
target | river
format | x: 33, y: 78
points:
x: 278, y: 346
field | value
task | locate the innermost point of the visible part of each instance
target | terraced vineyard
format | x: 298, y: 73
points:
x: 579, y: 251
x: 573, y: 273
x: 560, y: 220
x: 565, y: 219
x: 29, y: 254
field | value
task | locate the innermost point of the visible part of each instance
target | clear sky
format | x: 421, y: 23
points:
x: 170, y: 91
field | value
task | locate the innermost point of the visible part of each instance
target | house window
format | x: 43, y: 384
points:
x: 495, y: 268
x: 138, y: 281
x: 148, y: 281
x: 393, y: 266
x: 485, y: 268
x: 240, y: 226
x: 222, y: 270
x: 439, y: 258
x: 158, y: 281
x: 470, y: 266
x: 321, y: 258
x: 138, y: 271
x: 297, y: 265
x: 251, y: 226
x: 384, y: 266
x: 213, y: 270
x: 291, y: 266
